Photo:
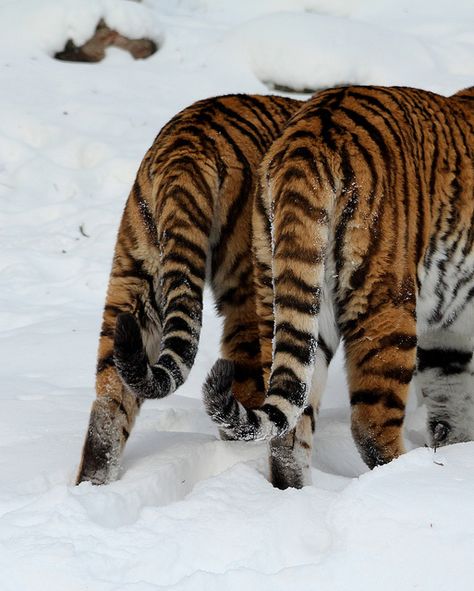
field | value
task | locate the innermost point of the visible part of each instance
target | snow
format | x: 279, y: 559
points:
x: 190, y: 512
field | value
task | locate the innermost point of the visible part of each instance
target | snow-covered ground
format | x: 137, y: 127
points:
x: 190, y: 512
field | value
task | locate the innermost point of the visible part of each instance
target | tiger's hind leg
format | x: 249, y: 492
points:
x: 111, y: 420
x: 380, y: 357
x: 114, y: 411
x: 445, y: 377
x: 290, y: 456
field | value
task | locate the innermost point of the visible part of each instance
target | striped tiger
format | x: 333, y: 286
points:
x: 188, y: 218
x: 368, y: 200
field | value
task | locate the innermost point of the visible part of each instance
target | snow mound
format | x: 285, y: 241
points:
x: 322, y: 51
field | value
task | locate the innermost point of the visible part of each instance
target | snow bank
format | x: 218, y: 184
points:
x: 322, y: 51
x: 190, y: 512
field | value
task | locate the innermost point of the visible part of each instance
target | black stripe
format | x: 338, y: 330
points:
x: 252, y: 418
x: 328, y: 171
x: 244, y: 126
x: 187, y: 205
x: 375, y: 396
x: 301, y: 202
x: 294, y: 280
x: 114, y: 309
x: 107, y: 331
x: 174, y: 279
x: 183, y: 242
x: 328, y: 354
x: 294, y: 393
x: 237, y: 296
x: 393, y: 422
x: 184, y: 348
x: 286, y: 249
x: 327, y: 127
x: 196, y: 176
x: 373, y: 132
x: 138, y: 270
x: 442, y: 358
x: 308, y: 157
x: 276, y: 416
x: 300, y: 134
x: 351, y: 192
x: 288, y: 328
x: 402, y: 375
x: 166, y: 361
x: 144, y: 209
x: 105, y: 362
x: 123, y: 409
x: 250, y: 348
x: 176, y: 323
x: 310, y: 308
x: 293, y: 172
x: 237, y: 206
x: 309, y: 412
x: 240, y: 328
x: 402, y: 341
x: 259, y: 109
x: 176, y: 257
x: 304, y: 354
x: 283, y: 104
x: 285, y: 372
x: 183, y: 305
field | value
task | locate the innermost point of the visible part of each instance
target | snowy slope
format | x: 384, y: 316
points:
x: 190, y: 512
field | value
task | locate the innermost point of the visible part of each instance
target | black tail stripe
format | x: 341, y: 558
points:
x: 302, y: 353
x: 184, y: 348
x: 286, y: 372
x: 293, y: 393
x: 293, y: 279
x: 175, y: 257
x: 166, y: 361
x: 276, y: 416
x: 289, y: 329
x: 308, y: 308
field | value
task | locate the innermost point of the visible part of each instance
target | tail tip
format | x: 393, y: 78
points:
x: 217, y: 387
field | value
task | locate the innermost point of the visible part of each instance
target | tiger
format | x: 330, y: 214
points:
x: 365, y: 234
x: 187, y: 220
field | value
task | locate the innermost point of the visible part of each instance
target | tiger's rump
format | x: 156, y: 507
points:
x: 186, y: 221
x: 377, y: 183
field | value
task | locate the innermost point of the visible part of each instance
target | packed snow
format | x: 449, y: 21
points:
x: 191, y: 512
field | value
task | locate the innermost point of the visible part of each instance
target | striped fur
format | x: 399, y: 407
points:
x: 369, y: 200
x: 187, y: 220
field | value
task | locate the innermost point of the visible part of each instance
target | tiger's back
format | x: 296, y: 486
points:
x: 187, y: 220
x: 371, y: 192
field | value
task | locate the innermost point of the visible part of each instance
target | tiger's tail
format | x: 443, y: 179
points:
x: 300, y: 232
x: 154, y: 347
